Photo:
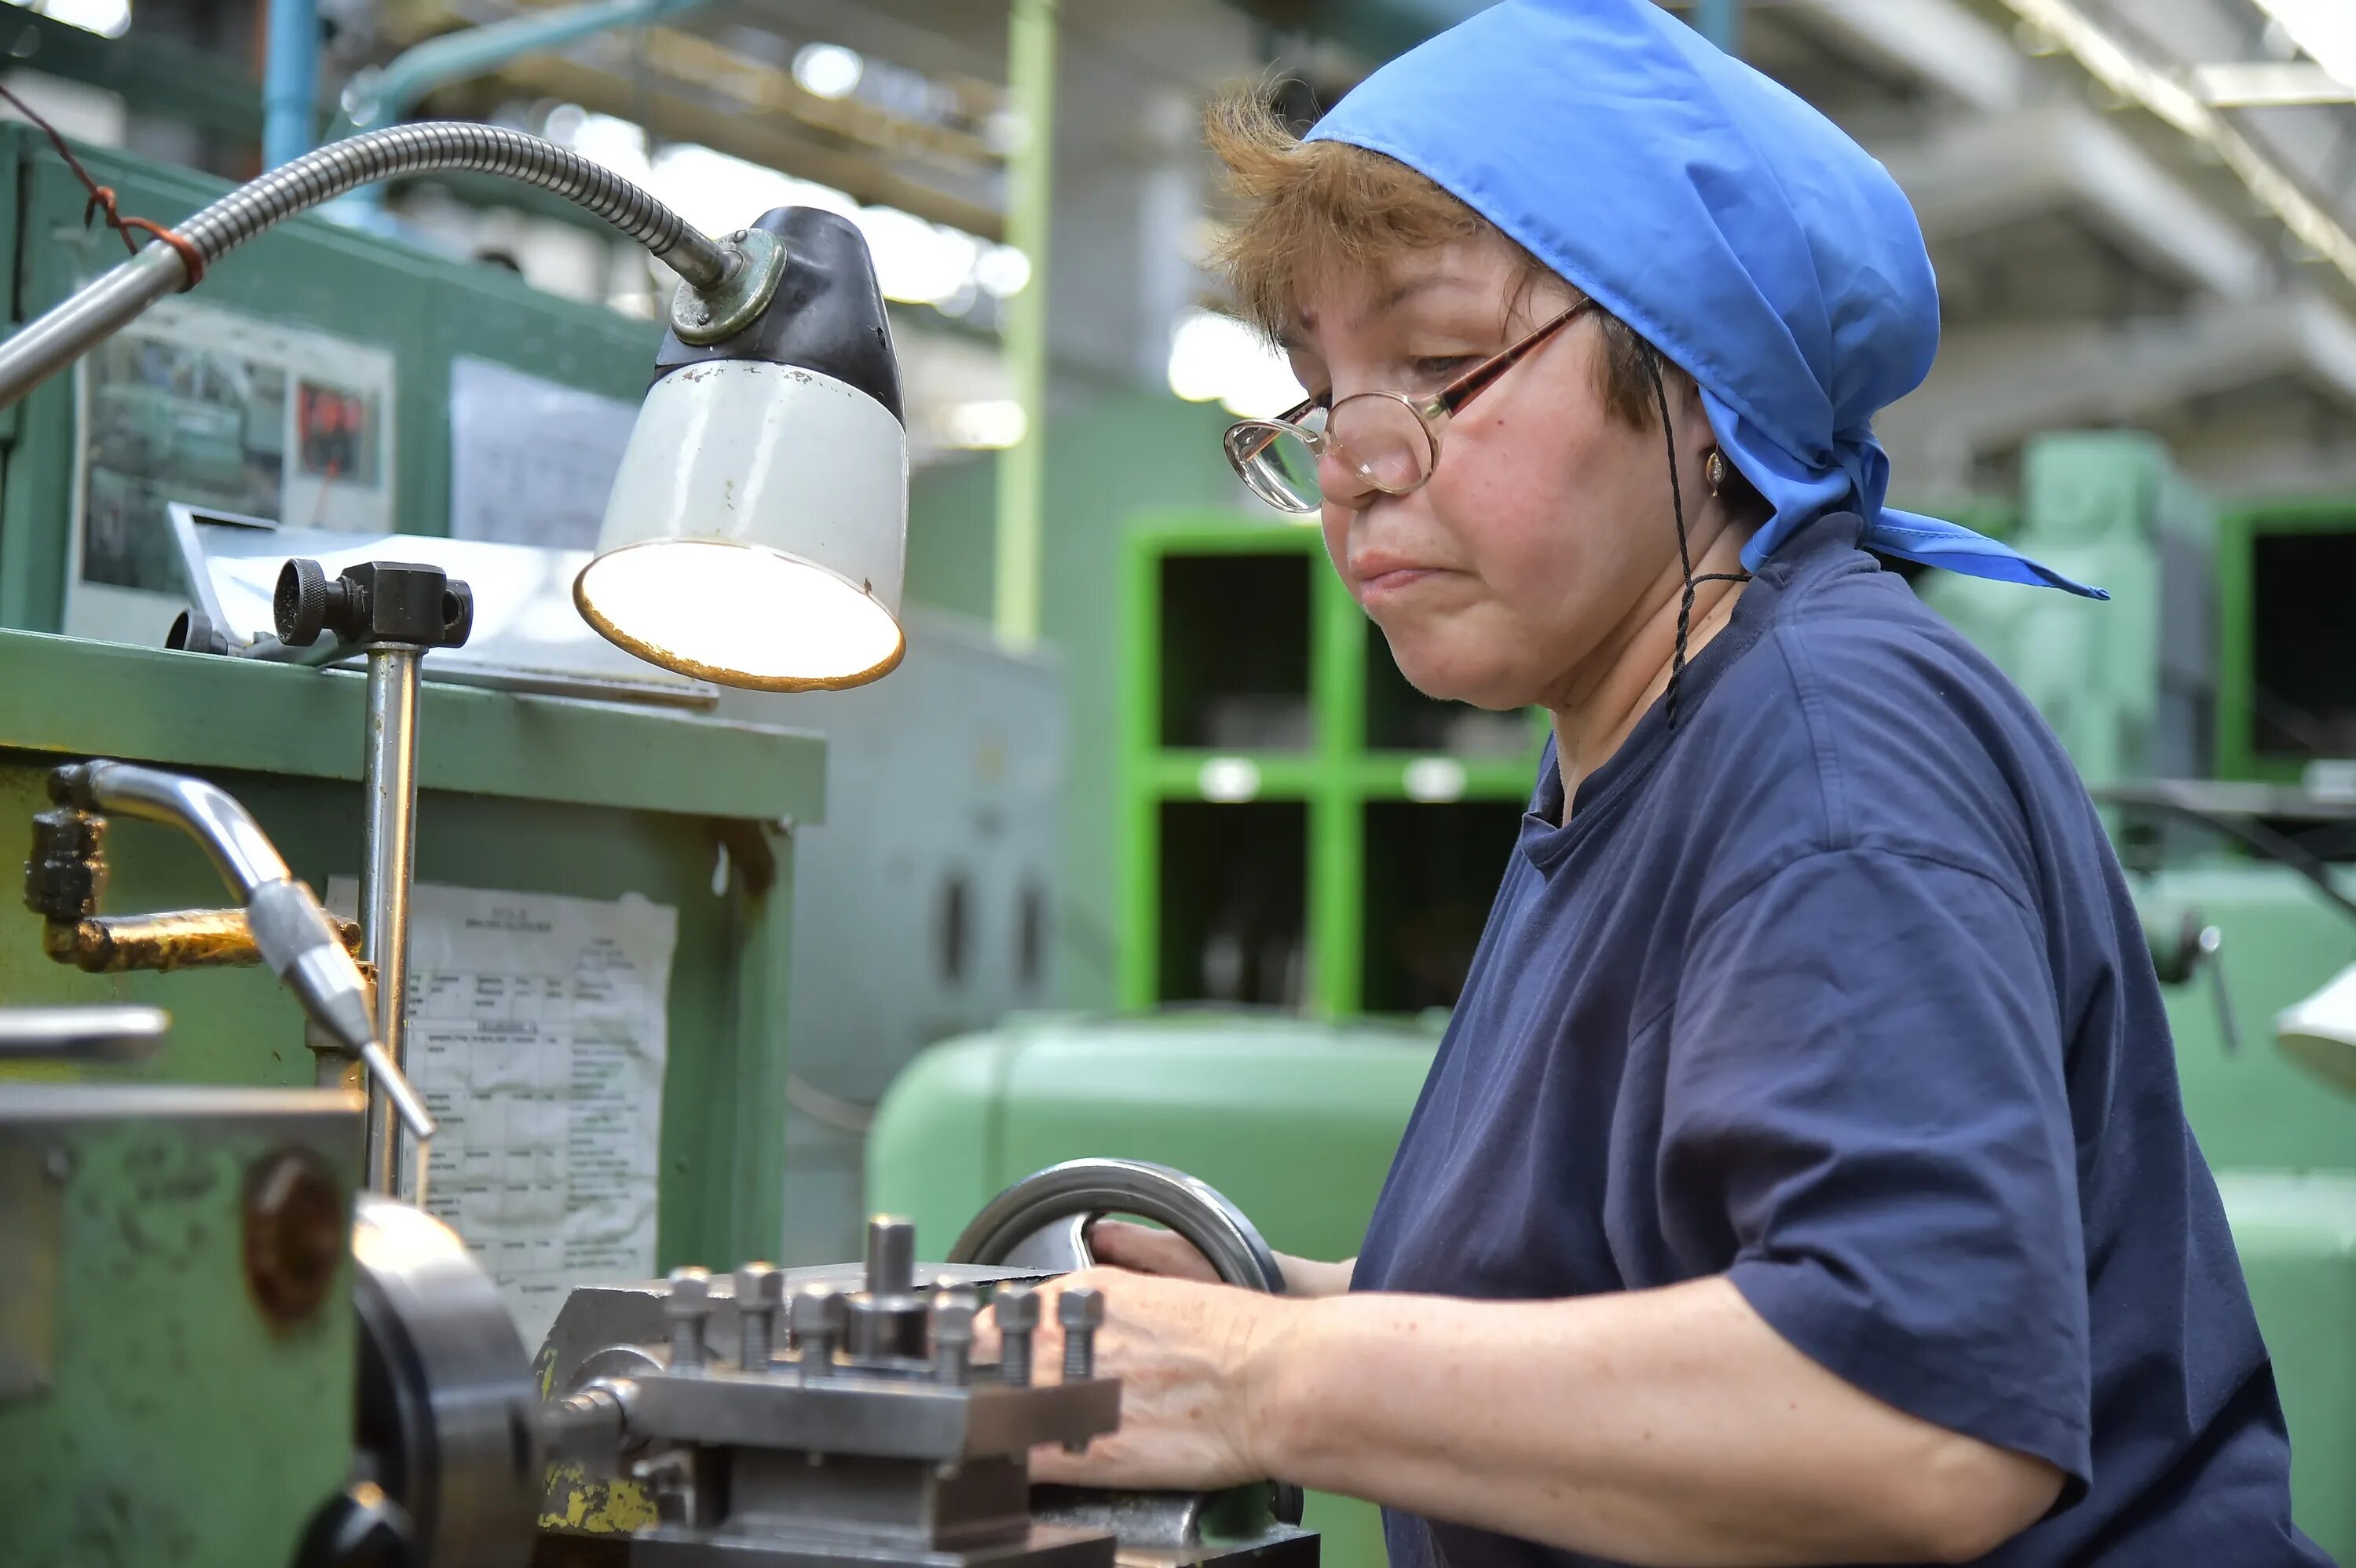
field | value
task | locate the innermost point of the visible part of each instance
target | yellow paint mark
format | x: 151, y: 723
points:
x: 577, y: 1505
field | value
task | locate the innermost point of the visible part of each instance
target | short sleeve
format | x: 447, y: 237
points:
x: 1866, y: 1072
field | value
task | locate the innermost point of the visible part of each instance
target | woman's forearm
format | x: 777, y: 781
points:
x: 1663, y: 1427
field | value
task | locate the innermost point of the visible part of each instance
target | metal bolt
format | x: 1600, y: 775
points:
x: 760, y: 1292
x: 891, y: 1256
x: 953, y: 1313
x: 1016, y: 1307
x: 1080, y: 1311
x: 686, y: 1307
x: 817, y: 1323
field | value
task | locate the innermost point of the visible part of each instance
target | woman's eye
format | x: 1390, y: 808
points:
x: 1439, y: 367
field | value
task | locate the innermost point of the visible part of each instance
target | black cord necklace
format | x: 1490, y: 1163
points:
x: 1685, y: 550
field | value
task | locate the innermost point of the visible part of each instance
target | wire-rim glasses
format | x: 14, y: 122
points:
x: 1388, y: 441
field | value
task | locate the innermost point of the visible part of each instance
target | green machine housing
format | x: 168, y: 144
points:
x: 1296, y: 1119
x: 517, y: 792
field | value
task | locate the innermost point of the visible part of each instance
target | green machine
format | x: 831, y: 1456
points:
x: 1308, y: 764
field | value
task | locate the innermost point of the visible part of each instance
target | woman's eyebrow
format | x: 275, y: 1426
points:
x: 1398, y: 294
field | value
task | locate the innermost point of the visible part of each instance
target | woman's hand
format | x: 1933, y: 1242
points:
x: 1145, y: 1250
x: 1191, y: 1357
x: 1141, y: 1249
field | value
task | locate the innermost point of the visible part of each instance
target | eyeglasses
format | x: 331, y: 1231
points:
x: 1388, y: 441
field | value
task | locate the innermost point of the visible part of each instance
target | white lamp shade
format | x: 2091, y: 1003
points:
x: 2320, y: 1033
x: 756, y: 534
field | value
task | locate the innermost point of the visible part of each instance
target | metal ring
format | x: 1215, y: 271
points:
x: 1196, y: 1210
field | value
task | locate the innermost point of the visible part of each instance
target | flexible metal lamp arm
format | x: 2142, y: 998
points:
x: 714, y: 271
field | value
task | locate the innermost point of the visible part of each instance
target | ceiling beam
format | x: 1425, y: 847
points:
x: 1936, y: 41
x: 1983, y: 173
x: 1994, y: 387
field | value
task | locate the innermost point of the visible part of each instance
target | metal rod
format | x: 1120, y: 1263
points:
x: 290, y: 81
x: 1030, y: 211
x: 389, y: 785
x: 56, y: 340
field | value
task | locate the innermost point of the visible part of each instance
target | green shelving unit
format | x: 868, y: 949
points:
x: 2281, y: 653
x: 1300, y: 828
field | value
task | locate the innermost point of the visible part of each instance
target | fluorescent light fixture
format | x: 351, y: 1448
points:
x: 2176, y: 102
x: 828, y: 70
x: 1229, y: 781
x: 2326, y: 29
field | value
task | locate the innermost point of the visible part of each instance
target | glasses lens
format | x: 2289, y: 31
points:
x: 1276, y: 463
x: 1380, y: 439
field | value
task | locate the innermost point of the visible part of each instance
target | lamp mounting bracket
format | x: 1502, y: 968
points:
x: 703, y: 317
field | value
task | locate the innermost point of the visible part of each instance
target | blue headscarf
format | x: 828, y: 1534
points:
x: 1735, y: 228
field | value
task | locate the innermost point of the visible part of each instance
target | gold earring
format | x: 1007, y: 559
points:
x: 1714, y: 469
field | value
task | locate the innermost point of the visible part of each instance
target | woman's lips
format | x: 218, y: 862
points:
x: 1387, y: 577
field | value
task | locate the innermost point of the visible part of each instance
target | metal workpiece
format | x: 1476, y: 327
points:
x: 210, y: 815
x: 161, y: 942
x: 1079, y: 1312
x: 388, y: 790
x: 448, y: 1412
x: 117, y: 1032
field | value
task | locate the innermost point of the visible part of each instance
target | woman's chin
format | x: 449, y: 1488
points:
x: 1455, y: 674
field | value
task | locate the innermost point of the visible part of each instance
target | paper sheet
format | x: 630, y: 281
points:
x: 531, y: 460
x: 537, y: 1034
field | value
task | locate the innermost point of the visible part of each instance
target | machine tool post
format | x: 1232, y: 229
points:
x: 953, y: 1313
x: 687, y: 1308
x: 1080, y: 1311
x: 760, y: 1292
x: 1016, y: 1307
x: 817, y: 1323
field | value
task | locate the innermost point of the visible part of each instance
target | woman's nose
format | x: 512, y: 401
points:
x: 1339, y: 480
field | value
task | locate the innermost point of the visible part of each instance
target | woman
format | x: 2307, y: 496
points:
x: 1803, y: 1177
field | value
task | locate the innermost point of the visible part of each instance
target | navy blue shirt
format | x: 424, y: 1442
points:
x: 1836, y: 989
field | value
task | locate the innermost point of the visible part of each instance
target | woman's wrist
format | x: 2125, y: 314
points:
x: 1309, y: 1277
x: 1270, y: 1348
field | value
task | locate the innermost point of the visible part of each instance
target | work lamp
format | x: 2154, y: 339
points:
x: 757, y: 531
x: 2320, y: 1033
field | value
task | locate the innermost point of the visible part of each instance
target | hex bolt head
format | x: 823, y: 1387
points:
x: 1081, y: 1311
x: 1016, y: 1307
x: 891, y: 1256
x: 817, y: 1319
x: 953, y: 1315
x: 687, y: 1306
x: 760, y: 1292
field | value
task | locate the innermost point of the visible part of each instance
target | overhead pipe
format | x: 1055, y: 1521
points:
x: 1029, y: 218
x: 378, y: 97
x: 290, y: 81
